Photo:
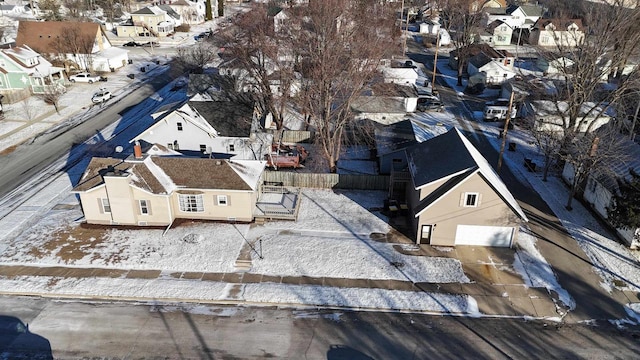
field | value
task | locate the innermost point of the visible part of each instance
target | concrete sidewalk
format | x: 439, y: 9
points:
x: 493, y: 299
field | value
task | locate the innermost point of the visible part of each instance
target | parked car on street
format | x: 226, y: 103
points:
x: 429, y: 103
x: 132, y: 44
x: 84, y: 77
x: 101, y: 96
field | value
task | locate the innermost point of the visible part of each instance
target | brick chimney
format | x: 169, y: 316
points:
x: 137, y: 150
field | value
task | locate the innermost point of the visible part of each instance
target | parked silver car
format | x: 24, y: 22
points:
x: 101, y: 95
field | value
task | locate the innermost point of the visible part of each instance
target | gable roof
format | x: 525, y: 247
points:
x: 559, y: 24
x: 18, y: 54
x: 169, y: 10
x: 406, y: 133
x: 475, y: 49
x: 451, y: 156
x: 529, y: 9
x: 164, y: 175
x: 496, y: 23
x: 149, y: 10
x: 228, y: 118
x: 42, y: 35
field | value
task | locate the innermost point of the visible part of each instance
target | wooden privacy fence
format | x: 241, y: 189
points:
x: 292, y: 136
x: 327, y: 181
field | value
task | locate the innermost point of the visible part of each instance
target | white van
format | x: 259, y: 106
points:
x: 497, y: 110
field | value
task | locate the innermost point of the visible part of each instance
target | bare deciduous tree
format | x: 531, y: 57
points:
x: 78, y: 45
x: 318, y: 61
x: 52, y: 94
x: 592, y: 86
x: 592, y: 153
x: 461, y: 20
x: 342, y: 43
x: 262, y: 61
x: 51, y: 9
x: 75, y: 8
x: 195, y: 58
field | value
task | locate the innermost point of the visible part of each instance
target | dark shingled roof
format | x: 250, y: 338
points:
x: 201, y: 173
x: 191, y: 173
x: 439, y: 157
x: 230, y: 119
x: 93, y: 174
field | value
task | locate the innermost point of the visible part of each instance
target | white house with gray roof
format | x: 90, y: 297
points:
x: 214, y: 129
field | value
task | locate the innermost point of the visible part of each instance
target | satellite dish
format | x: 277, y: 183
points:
x: 119, y: 149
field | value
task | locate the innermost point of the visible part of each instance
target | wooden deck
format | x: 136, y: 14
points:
x: 278, y: 203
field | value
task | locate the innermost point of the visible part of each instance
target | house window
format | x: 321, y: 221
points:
x: 144, y: 207
x: 232, y: 147
x: 179, y: 126
x: 470, y: 199
x: 203, y: 148
x: 223, y: 200
x: 170, y: 146
x: 106, y: 207
x: 191, y: 203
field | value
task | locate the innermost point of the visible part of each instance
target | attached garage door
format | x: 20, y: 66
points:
x: 484, y: 235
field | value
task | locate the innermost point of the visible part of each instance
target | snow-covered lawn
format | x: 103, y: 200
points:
x: 330, y: 239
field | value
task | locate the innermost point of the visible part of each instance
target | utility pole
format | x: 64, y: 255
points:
x: 504, y: 131
x: 632, y: 134
x: 404, y: 41
x: 435, y: 62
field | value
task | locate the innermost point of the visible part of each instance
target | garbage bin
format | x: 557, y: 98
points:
x: 157, y: 62
x: 130, y: 61
x: 143, y: 69
x: 512, y: 146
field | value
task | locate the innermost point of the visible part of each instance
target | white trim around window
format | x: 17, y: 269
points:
x: 144, y: 207
x: 191, y: 203
x: 106, y: 206
x: 471, y: 199
x: 222, y: 200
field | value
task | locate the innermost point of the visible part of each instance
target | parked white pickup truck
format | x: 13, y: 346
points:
x: 84, y: 77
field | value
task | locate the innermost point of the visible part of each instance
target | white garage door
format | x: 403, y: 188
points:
x: 484, y: 235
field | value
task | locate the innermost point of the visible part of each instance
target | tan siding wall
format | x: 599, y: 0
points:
x: 120, y: 199
x: 241, y: 205
x: 447, y: 212
x: 159, y: 207
x: 92, y: 208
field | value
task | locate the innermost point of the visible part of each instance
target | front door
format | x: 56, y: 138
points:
x: 425, y: 234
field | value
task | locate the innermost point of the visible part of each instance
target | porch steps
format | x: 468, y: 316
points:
x: 242, y: 265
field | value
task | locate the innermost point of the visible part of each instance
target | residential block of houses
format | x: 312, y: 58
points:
x: 151, y: 21
x: 93, y: 51
x: 557, y: 33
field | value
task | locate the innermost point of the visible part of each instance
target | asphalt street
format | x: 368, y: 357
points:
x: 173, y: 331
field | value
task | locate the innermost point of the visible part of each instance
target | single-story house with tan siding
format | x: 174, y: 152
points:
x: 148, y: 190
x: 457, y: 198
